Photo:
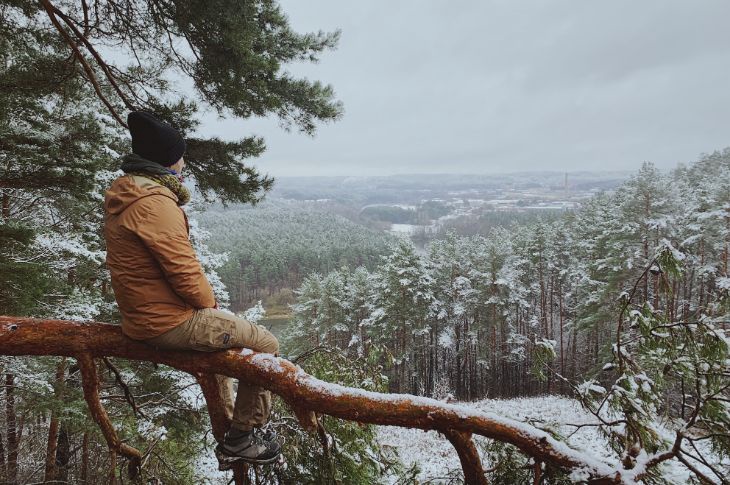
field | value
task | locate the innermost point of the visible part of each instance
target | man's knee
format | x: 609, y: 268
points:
x: 257, y: 337
x: 270, y: 344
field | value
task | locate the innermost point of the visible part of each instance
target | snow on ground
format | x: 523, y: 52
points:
x: 433, y: 454
x: 436, y: 457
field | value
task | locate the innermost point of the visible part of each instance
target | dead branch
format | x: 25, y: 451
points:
x: 125, y: 388
x: 307, y: 419
x: 219, y: 419
x: 27, y: 336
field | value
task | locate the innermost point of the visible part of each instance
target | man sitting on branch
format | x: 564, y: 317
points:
x: 163, y: 295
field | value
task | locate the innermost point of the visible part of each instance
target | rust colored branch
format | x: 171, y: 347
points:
x: 90, y: 382
x: 219, y: 420
x: 49, y: 8
x: 468, y: 456
x: 27, y: 336
x: 307, y: 419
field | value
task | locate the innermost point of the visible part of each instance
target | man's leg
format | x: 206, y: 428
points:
x: 216, y: 329
x: 253, y: 403
x: 211, y: 329
x: 180, y: 338
x: 219, y: 330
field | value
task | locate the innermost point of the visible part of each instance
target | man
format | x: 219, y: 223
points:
x: 163, y: 294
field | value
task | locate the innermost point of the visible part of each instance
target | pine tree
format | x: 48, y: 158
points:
x: 233, y: 53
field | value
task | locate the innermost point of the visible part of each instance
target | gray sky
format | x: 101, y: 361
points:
x: 505, y: 85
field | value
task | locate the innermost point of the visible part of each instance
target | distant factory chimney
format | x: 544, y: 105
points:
x: 566, y: 182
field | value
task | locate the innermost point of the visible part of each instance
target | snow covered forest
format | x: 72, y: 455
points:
x: 596, y: 337
x: 478, y: 316
x: 622, y: 304
x: 621, y: 307
x: 273, y: 246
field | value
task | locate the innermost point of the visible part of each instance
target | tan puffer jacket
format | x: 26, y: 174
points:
x: 157, y: 279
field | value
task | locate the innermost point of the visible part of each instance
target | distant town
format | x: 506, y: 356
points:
x: 406, y: 204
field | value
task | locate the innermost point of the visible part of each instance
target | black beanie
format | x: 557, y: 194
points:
x: 154, y: 140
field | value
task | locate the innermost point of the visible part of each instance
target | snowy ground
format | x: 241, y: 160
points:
x: 437, y: 458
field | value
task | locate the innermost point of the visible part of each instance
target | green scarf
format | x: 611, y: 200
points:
x: 136, y: 165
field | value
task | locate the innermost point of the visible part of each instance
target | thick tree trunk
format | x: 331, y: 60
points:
x: 84, y: 341
x: 51, y: 448
x: 63, y: 454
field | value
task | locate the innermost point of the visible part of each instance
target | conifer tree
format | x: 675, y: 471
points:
x: 126, y: 52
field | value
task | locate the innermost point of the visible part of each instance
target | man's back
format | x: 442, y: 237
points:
x: 157, y: 280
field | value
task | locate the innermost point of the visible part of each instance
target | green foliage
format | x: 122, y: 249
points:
x: 657, y: 357
x: 508, y: 465
x: 234, y: 53
x: 653, y: 255
x: 543, y: 354
x: 354, y: 455
x: 22, y: 281
x: 275, y: 245
x: 170, y: 425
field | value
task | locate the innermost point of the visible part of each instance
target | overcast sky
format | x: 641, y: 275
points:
x: 480, y: 86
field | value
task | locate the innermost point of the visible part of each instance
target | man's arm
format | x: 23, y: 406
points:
x: 161, y: 227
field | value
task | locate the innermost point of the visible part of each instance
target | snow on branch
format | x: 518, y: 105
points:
x: 86, y: 341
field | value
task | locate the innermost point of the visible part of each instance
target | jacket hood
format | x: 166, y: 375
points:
x: 128, y: 189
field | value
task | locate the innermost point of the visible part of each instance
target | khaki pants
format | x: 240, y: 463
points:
x: 209, y: 330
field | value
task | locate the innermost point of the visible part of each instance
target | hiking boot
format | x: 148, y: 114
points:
x: 257, y: 447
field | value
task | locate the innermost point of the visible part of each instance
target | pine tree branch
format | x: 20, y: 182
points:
x: 469, y: 457
x: 49, y: 8
x: 99, y: 60
x: 125, y: 388
x: 27, y: 336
